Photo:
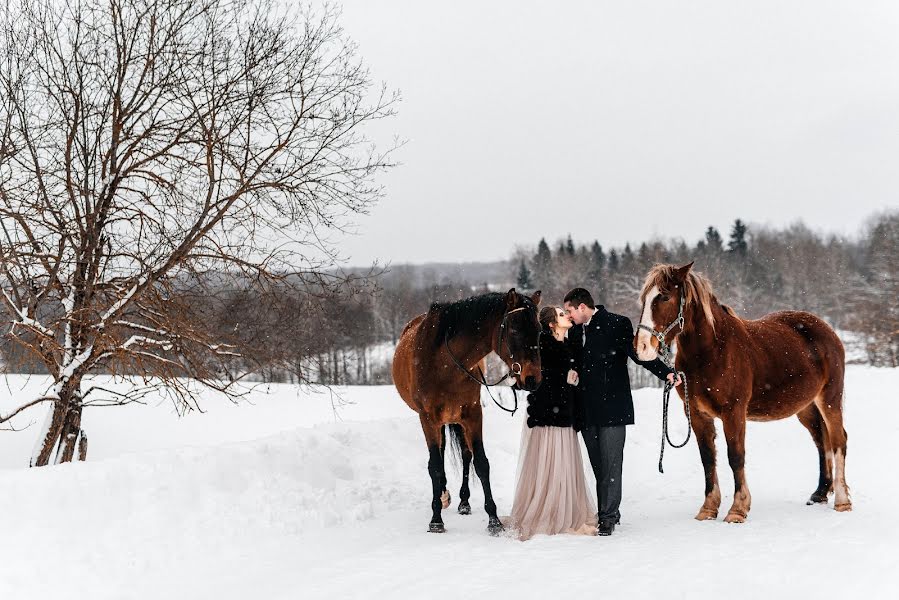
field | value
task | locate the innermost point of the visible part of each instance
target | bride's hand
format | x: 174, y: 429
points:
x: 572, y: 377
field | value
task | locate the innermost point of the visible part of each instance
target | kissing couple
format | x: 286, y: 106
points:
x: 586, y: 387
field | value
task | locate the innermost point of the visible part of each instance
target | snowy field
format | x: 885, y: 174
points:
x: 284, y: 498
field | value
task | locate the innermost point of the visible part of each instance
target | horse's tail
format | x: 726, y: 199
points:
x: 455, y: 438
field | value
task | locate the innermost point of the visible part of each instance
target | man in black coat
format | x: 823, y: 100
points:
x: 602, y: 342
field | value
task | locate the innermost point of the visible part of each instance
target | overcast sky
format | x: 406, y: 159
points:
x: 623, y: 120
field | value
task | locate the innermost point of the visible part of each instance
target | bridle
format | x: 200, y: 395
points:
x: 667, y: 357
x: 664, y: 349
x: 514, y: 369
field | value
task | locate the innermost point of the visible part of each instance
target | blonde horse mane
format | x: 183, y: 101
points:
x: 697, y: 288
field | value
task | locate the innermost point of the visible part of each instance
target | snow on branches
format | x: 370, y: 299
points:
x: 155, y: 151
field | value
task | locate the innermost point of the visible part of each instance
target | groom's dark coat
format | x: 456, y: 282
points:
x: 605, y: 387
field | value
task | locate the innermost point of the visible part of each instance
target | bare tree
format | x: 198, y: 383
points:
x: 875, y: 300
x: 148, y: 147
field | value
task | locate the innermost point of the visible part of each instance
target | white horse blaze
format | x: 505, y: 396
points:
x: 645, y: 351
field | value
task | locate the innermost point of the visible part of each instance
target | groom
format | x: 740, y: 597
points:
x: 602, y: 345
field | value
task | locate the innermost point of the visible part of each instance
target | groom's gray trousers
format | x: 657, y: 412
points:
x: 605, y: 447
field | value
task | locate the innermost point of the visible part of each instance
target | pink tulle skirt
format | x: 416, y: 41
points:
x: 551, y: 493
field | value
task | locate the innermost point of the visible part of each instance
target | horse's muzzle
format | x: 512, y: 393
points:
x: 530, y: 383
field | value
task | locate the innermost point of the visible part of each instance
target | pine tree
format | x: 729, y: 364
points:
x: 544, y: 256
x: 613, y: 261
x: 644, y: 256
x: 569, y: 246
x: 524, y: 277
x: 598, y: 256
x: 596, y: 259
x: 627, y: 258
x: 713, y: 241
x: 737, y: 243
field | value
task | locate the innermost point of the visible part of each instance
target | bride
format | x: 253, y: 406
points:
x: 551, y: 493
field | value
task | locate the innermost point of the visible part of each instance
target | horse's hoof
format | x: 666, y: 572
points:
x: 735, y: 518
x: 436, y: 528
x: 844, y: 507
x: 445, y: 499
x: 706, y: 515
x: 816, y: 499
x: 464, y: 508
x: 495, y: 527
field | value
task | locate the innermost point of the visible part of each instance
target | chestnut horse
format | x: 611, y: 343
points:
x: 434, y: 370
x: 784, y: 364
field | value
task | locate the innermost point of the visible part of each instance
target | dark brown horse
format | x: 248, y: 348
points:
x: 436, y: 371
x: 786, y: 363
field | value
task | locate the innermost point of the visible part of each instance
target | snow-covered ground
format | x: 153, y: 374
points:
x: 283, y: 498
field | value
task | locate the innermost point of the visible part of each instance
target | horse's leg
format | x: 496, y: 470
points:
x: 457, y: 439
x: 445, y: 497
x: 830, y: 403
x: 735, y: 434
x: 811, y: 417
x: 704, y: 428
x: 464, y: 492
x: 474, y: 438
x: 433, y: 436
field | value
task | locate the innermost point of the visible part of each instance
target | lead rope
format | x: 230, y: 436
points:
x: 666, y: 355
x: 666, y: 395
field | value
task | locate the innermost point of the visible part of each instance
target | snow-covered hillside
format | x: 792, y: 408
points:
x: 284, y: 498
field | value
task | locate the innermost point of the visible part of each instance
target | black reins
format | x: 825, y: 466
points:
x: 515, y: 368
x: 667, y: 357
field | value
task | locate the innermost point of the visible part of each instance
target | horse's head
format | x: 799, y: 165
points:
x: 518, y: 340
x: 663, y: 299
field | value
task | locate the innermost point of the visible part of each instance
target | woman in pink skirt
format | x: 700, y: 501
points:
x: 551, y: 494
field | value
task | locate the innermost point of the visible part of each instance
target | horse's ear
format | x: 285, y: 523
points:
x: 535, y: 298
x: 681, y: 273
x: 511, y: 299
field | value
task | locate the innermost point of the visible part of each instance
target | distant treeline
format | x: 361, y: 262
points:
x: 853, y: 284
x: 344, y: 334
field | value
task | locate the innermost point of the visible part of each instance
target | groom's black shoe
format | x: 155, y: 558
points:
x: 606, y: 528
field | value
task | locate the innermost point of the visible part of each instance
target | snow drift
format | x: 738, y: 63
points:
x: 284, y: 498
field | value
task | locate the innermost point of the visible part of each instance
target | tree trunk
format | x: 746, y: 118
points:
x: 68, y: 437
x: 45, y: 446
x: 82, y: 446
x: 62, y: 432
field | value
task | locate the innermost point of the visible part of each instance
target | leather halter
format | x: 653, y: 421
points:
x: 482, y: 379
x: 664, y: 349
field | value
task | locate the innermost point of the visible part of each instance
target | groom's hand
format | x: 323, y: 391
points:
x: 674, y: 378
x: 572, y: 377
